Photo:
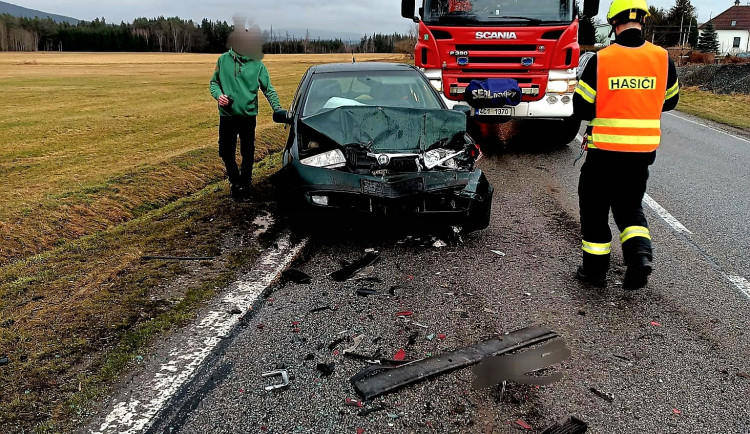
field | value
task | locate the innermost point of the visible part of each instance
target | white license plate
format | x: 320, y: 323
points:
x: 503, y: 111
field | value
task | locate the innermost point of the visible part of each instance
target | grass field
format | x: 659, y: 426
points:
x: 732, y: 110
x: 105, y: 158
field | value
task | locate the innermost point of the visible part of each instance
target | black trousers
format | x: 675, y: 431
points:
x: 616, y: 181
x: 229, y: 128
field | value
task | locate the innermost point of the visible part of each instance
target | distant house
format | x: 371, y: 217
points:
x: 733, y: 29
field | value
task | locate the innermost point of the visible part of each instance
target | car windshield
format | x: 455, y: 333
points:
x: 369, y: 88
x: 498, y: 12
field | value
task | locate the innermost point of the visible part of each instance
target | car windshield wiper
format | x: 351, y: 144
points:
x: 511, y: 17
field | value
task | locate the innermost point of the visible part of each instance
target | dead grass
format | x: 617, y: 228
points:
x: 105, y: 158
x: 732, y: 110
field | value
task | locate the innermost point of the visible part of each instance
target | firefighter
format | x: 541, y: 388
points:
x: 622, y: 91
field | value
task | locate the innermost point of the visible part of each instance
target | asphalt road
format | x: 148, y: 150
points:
x: 674, y: 355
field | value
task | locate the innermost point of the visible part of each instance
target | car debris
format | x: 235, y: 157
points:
x: 365, y: 273
x: 277, y: 373
x: 4, y: 360
x: 372, y: 384
x: 367, y: 292
x: 571, y: 426
x: 369, y: 411
x: 655, y: 324
x: 357, y: 340
x: 439, y: 244
x: 430, y: 337
x: 350, y: 270
x: 404, y: 313
x: 333, y: 344
x: 234, y: 310
x: 321, y: 309
x: 523, y: 424
x: 326, y: 369
x: 518, y: 367
x: 609, y: 397
x: 400, y: 355
x: 353, y: 403
x: 296, y: 276
x: 498, y: 253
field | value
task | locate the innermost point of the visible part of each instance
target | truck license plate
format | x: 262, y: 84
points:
x: 503, y: 111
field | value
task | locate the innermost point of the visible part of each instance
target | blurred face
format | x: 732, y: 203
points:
x: 248, y: 43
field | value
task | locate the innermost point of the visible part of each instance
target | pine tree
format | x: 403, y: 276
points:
x: 709, y: 40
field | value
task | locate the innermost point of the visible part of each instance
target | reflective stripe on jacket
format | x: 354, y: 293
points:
x: 630, y: 92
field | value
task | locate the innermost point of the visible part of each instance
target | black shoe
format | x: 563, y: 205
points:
x: 237, y: 192
x: 597, y: 280
x: 636, y: 276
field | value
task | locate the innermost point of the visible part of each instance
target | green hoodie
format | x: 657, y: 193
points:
x: 239, y: 78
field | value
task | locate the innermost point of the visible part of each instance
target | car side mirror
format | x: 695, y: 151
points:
x: 465, y: 109
x: 282, y: 117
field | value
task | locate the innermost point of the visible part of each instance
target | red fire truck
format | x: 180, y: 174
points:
x: 534, y: 42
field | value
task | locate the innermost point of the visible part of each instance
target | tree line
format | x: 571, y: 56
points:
x: 171, y: 35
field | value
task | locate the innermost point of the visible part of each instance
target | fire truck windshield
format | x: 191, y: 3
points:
x: 497, y: 12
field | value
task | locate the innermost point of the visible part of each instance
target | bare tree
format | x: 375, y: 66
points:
x: 3, y: 36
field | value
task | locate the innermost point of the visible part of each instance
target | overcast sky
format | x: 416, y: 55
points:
x: 358, y: 16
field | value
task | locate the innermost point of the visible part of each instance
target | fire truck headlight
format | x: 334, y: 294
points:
x: 437, y: 84
x: 557, y: 86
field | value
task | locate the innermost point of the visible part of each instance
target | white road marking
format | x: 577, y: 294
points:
x: 199, y: 340
x: 709, y: 127
x: 741, y: 283
x: 665, y: 215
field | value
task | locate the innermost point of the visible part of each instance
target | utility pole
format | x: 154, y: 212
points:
x: 679, y: 40
x: 687, y: 36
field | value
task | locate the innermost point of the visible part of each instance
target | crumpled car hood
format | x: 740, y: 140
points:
x: 390, y: 129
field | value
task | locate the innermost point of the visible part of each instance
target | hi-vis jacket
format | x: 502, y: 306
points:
x: 629, y: 87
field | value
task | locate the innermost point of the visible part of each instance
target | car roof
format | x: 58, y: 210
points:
x: 360, y: 66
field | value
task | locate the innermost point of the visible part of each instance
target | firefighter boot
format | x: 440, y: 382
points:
x: 636, y: 276
x: 594, y: 270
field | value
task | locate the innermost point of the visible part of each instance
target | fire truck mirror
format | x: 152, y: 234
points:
x: 407, y: 8
x: 591, y: 8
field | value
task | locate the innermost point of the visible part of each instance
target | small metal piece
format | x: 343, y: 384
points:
x: 284, y: 379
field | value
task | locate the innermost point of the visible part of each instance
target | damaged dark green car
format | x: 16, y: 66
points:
x: 376, y: 139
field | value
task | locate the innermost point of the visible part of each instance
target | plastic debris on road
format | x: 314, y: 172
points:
x: 655, y: 324
x: 405, y: 313
x: 353, y: 403
x: 523, y: 424
x: 350, y: 269
x: 400, y: 355
x: 439, y: 244
x: 498, y: 253
x: 609, y: 397
x: 326, y: 369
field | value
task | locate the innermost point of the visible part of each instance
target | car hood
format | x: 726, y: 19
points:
x: 390, y: 129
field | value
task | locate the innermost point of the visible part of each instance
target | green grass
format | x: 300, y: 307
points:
x: 732, y: 110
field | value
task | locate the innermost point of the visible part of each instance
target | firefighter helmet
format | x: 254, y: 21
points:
x: 632, y: 6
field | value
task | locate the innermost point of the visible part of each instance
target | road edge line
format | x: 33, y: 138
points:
x: 199, y: 340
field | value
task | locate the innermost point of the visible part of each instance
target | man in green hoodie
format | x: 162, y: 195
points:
x: 238, y: 76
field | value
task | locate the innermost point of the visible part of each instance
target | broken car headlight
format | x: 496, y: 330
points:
x: 329, y: 160
x: 441, y: 157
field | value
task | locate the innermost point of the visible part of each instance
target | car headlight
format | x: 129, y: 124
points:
x: 561, y: 86
x: 329, y: 160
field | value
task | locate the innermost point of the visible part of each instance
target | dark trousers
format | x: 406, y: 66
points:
x: 229, y: 128
x: 616, y: 181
